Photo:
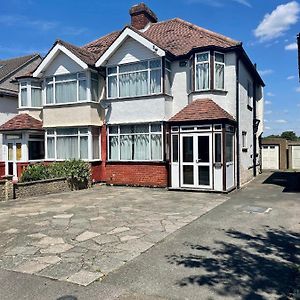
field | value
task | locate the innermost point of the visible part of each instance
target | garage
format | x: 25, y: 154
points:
x: 270, y: 157
x: 295, y: 156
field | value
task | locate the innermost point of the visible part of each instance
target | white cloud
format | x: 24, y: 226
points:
x: 281, y: 121
x: 290, y: 77
x: 267, y: 102
x: 244, y: 2
x: 298, y: 104
x: 266, y: 121
x: 270, y: 94
x: 268, y: 112
x: 292, y: 46
x: 276, y: 23
x: 268, y: 128
x: 298, y: 89
x: 265, y: 72
x: 219, y: 3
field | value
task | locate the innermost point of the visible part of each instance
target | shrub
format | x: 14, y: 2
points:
x: 77, y: 172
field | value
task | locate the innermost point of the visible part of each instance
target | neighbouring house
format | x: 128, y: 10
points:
x: 9, y: 88
x: 158, y: 103
x: 298, y: 42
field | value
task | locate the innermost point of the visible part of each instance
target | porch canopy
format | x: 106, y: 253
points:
x: 22, y: 122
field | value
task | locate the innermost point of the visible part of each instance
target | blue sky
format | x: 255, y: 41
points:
x: 267, y: 28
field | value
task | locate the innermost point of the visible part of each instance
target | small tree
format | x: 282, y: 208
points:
x: 289, y: 135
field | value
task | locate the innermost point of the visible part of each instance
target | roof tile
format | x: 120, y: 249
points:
x: 22, y: 122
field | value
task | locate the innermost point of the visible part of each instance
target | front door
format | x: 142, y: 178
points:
x: 14, y: 154
x: 196, y: 160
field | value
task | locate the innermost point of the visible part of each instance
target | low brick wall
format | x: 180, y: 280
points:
x: 41, y: 187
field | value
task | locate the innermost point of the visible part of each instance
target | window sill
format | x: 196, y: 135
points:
x: 140, y: 97
x: 30, y: 108
x: 70, y: 104
x: 215, y: 92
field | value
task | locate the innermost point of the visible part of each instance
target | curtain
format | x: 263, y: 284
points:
x: 113, y: 148
x: 112, y: 87
x: 141, y: 147
x: 96, y: 147
x: 126, y: 147
x: 50, y: 147
x: 202, y: 74
x: 24, y: 97
x: 95, y: 90
x: 84, y: 154
x: 156, y: 147
x: 155, y: 81
x: 67, y: 147
x: 66, y: 92
x: 36, y: 97
x: 49, y: 93
x: 133, y: 84
x: 82, y: 90
x: 219, y: 75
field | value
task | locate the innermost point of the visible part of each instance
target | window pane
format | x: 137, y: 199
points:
x: 203, y: 148
x: 67, y: 147
x: 175, y: 148
x: 83, y: 130
x: 96, y: 147
x: 10, y: 151
x: 133, y: 84
x: 49, y: 92
x: 204, y: 178
x: 188, y: 149
x: 112, y: 70
x: 112, y: 87
x: 113, y: 148
x: 202, y: 57
x: 155, y: 63
x: 68, y: 77
x: 168, y: 82
x: 36, y: 150
x: 155, y: 81
x: 113, y: 129
x: 156, y: 147
x: 229, y: 147
x: 188, y: 175
x: 202, y: 76
x: 155, y: 127
x: 219, y: 57
x: 133, y: 67
x: 66, y: 92
x: 82, y: 90
x: 36, y: 97
x: 141, y: 128
x: 95, y: 90
x: 219, y: 75
x: 84, y: 147
x: 67, y: 131
x: 141, y: 147
x: 126, y: 147
x: 24, y: 97
x: 126, y: 129
x: 50, y: 148
x: 18, y: 151
x: 218, y: 148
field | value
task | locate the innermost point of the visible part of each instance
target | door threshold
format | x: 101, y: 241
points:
x: 186, y: 189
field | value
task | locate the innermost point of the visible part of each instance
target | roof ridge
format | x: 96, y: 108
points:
x: 100, y: 38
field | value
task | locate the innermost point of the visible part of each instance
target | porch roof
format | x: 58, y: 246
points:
x: 202, y: 110
x: 22, y: 122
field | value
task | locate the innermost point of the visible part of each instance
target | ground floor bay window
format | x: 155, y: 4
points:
x: 136, y: 142
x: 73, y: 143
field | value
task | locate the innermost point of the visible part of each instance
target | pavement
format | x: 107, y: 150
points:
x: 246, y: 247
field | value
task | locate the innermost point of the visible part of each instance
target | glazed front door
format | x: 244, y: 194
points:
x: 196, y: 160
x: 14, y: 154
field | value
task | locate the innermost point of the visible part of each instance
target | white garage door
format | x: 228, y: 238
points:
x: 270, y: 157
x: 296, y: 157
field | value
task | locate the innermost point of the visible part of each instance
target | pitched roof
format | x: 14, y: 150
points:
x: 22, y: 122
x: 201, y: 110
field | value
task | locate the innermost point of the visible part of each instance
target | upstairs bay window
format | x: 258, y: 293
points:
x: 202, y: 71
x: 140, y: 142
x: 67, y: 88
x: 135, y: 79
x: 219, y: 71
x: 31, y: 94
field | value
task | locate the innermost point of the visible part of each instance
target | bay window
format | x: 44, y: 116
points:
x: 73, y: 143
x: 168, y: 75
x: 67, y: 88
x: 31, y: 94
x: 94, y: 86
x: 36, y: 94
x: 202, y: 71
x: 140, y: 142
x: 219, y: 71
x: 134, y: 79
x: 23, y: 94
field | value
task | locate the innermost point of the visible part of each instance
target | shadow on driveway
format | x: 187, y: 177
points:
x: 249, y: 266
x: 290, y: 181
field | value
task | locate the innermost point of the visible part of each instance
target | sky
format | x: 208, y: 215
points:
x: 267, y: 28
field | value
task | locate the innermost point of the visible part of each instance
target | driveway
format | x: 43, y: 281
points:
x: 82, y: 236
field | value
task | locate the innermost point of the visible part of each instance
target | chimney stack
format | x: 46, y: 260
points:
x: 141, y: 16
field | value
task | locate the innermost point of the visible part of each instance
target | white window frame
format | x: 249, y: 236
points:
x: 244, y: 140
x: 119, y: 134
x: 88, y: 134
x: 168, y: 71
x: 28, y: 87
x: 218, y: 63
x: 118, y: 73
x: 195, y: 71
x: 87, y: 78
x: 91, y: 80
x: 249, y: 93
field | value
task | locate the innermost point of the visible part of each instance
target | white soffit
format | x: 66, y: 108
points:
x: 124, y: 35
x: 52, y: 54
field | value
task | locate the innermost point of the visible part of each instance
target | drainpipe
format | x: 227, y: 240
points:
x: 238, y: 119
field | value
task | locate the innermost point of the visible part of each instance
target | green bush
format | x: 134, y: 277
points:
x: 77, y: 172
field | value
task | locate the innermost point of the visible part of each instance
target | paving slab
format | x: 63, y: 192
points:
x: 84, y: 277
x: 87, y: 235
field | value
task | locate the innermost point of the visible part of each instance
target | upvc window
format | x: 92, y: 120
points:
x: 219, y: 71
x: 244, y: 139
x: 23, y: 94
x: 168, y: 74
x: 140, y: 142
x: 36, y: 94
x: 30, y: 94
x: 94, y: 86
x: 67, y: 88
x: 202, y: 71
x: 134, y: 79
x: 73, y: 143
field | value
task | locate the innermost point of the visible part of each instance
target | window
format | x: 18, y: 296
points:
x: 67, y: 88
x: 229, y: 147
x: 244, y: 139
x: 249, y: 93
x: 36, y: 94
x: 219, y: 71
x: 72, y: 143
x: 135, y: 142
x: 95, y: 86
x: 23, y: 92
x: 202, y: 71
x: 36, y: 149
x: 175, y: 148
x: 134, y: 79
x: 218, y: 147
x: 168, y: 75
x: 31, y: 94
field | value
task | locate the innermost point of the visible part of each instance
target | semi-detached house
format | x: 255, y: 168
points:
x: 159, y: 103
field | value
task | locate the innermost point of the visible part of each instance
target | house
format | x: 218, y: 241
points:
x: 9, y: 89
x: 298, y: 42
x: 158, y: 103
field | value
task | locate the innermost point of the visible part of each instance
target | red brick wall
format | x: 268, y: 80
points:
x: 2, y: 169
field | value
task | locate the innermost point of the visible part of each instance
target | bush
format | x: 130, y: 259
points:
x: 77, y: 172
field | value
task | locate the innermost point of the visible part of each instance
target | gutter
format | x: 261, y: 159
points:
x: 237, y: 72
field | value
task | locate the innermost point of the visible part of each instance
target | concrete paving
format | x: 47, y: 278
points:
x: 80, y: 237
